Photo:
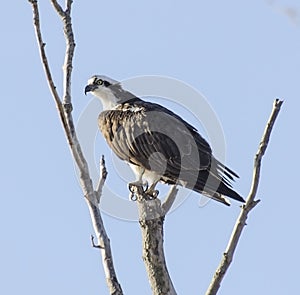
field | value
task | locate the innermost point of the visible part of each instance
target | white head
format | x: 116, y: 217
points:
x: 109, y: 91
x: 101, y: 87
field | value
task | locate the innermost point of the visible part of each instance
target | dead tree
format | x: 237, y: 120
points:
x: 151, y: 212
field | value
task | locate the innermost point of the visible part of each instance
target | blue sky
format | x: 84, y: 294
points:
x: 239, y: 55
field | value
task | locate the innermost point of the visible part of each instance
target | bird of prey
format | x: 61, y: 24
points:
x: 158, y: 144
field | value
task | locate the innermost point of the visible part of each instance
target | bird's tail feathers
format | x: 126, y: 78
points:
x: 216, y: 187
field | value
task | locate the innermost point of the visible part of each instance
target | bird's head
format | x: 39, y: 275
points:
x: 99, y: 84
x: 102, y: 87
x: 108, y: 90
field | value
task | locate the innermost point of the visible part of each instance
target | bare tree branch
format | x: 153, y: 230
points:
x: 167, y: 204
x: 58, y: 8
x: 151, y: 219
x: 69, y: 6
x: 65, y: 115
x: 41, y: 44
x: 249, y: 205
x: 103, y: 175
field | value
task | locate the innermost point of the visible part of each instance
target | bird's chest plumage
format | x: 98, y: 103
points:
x: 120, y: 127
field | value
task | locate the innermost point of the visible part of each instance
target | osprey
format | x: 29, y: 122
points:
x: 158, y: 144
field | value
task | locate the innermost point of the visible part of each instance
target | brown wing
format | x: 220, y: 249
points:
x: 153, y: 137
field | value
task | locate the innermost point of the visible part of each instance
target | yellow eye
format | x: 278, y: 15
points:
x: 99, y: 82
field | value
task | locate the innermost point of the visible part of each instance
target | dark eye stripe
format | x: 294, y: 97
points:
x: 106, y: 83
x: 101, y: 82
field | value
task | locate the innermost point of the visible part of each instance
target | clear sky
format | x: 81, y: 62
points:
x: 240, y: 55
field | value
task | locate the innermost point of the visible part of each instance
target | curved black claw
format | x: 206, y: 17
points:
x: 155, y: 193
x: 132, y: 185
x: 152, y: 194
x: 133, y: 188
x: 133, y: 197
x: 138, y: 187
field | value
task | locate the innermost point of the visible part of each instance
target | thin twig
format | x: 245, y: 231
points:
x: 103, y: 176
x: 93, y: 243
x: 104, y: 245
x: 70, y: 47
x: 69, y: 6
x: 37, y: 26
x: 58, y: 8
x: 68, y: 125
x: 249, y: 205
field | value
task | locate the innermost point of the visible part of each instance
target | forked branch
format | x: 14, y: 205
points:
x: 247, y: 207
x: 65, y: 113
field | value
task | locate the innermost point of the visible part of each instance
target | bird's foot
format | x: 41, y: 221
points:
x: 152, y: 193
x: 137, y: 187
x: 141, y: 188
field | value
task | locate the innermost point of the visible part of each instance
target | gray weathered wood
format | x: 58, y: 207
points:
x: 151, y: 219
x: 64, y: 108
x: 247, y: 207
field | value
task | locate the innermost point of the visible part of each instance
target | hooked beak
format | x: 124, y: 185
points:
x: 89, y: 88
